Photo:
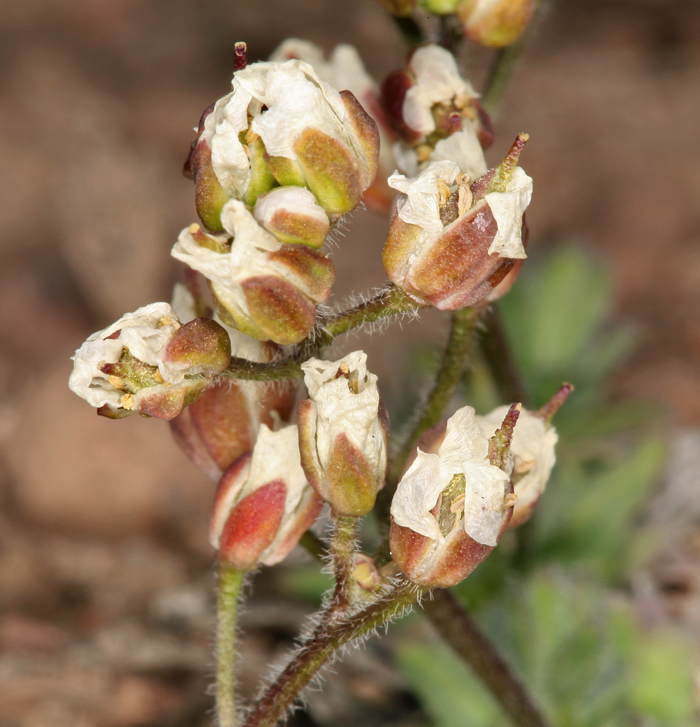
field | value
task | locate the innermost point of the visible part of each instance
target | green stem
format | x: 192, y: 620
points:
x: 501, y: 71
x: 459, y: 630
x: 319, y: 648
x: 389, y: 302
x: 342, y: 551
x: 230, y: 581
x: 463, y: 327
x: 501, y: 363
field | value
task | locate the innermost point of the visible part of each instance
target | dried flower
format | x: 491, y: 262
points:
x: 436, y: 113
x: 344, y: 70
x: 282, y: 125
x: 263, y: 504
x: 343, y: 433
x: 451, y: 508
x: 148, y: 362
x: 263, y: 288
x: 448, y: 249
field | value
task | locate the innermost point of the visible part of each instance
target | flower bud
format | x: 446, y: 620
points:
x: 495, y: 23
x: 345, y: 71
x: 265, y: 289
x: 148, y: 362
x: 436, y: 113
x: 292, y: 216
x: 282, y: 125
x: 263, y: 504
x: 451, y: 508
x: 343, y: 431
x: 451, y: 242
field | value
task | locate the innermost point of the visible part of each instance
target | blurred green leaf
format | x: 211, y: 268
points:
x: 445, y: 687
x: 307, y: 582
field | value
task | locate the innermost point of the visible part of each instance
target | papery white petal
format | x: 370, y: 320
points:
x: 419, y: 203
x: 417, y: 494
x: 340, y: 410
x: 437, y: 81
x: 295, y: 200
x: 484, y: 497
x: 145, y: 333
x: 464, y: 148
x: 508, y: 208
x: 464, y: 439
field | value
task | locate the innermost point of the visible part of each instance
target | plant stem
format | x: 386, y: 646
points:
x: 459, y: 630
x: 502, y: 67
x: 463, y: 326
x: 319, y: 648
x: 501, y: 363
x: 389, y: 302
x: 342, y: 551
x: 230, y: 581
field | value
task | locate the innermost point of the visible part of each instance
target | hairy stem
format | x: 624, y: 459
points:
x: 501, y: 363
x: 389, y: 302
x: 230, y: 581
x: 342, y: 551
x: 458, y: 629
x: 319, y: 648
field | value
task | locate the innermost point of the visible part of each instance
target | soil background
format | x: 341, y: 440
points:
x: 105, y: 572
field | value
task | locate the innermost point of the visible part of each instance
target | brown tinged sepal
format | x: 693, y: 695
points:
x: 147, y: 362
x: 399, y: 8
x: 451, y: 242
x: 343, y: 430
x: 451, y: 507
x: 263, y: 503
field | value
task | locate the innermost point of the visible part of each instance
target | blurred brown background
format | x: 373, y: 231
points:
x: 104, y: 565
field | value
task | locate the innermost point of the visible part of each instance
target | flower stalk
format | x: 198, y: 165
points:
x: 230, y: 581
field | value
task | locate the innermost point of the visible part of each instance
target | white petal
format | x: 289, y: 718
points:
x: 464, y: 148
x: 486, y: 490
x: 508, y: 208
x: 437, y: 81
x: 418, y: 492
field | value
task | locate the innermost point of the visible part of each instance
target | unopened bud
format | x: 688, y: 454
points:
x: 147, y: 362
x: 343, y: 433
x: 265, y: 289
x: 345, y: 71
x: 263, y: 504
x: 365, y: 572
x: 292, y: 216
x: 451, y: 508
x: 282, y: 125
x: 495, y: 23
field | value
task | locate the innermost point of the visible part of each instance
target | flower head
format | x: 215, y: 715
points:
x: 453, y: 239
x: 263, y: 504
x: 343, y: 433
x: 265, y: 289
x: 148, y: 362
x: 281, y: 125
x: 451, y: 507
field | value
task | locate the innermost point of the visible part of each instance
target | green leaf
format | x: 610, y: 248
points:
x: 445, y: 687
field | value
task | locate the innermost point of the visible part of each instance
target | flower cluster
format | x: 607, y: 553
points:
x: 276, y: 163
